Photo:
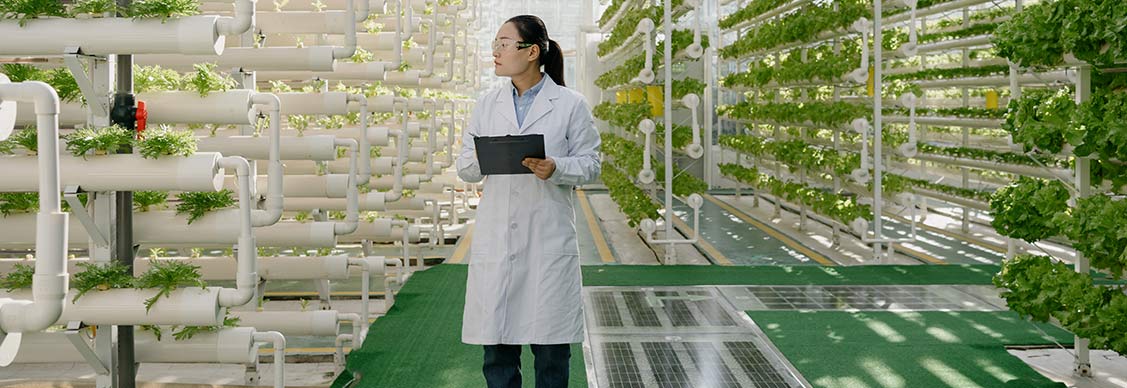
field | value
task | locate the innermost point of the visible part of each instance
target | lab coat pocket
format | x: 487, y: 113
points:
x: 561, y: 306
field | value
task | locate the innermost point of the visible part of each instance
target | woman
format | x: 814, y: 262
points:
x: 524, y: 278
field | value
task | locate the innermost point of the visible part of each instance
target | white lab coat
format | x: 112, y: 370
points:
x: 524, y: 278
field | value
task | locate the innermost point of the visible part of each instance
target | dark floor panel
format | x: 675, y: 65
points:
x: 762, y: 373
x: 640, y: 311
x: 606, y: 310
x: 622, y: 369
x: 667, y: 369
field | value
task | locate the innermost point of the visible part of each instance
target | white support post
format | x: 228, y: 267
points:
x: 1083, y: 363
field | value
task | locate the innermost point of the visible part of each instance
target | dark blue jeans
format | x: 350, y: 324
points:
x: 502, y: 365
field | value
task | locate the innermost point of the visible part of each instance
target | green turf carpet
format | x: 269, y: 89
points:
x: 418, y: 343
x: 837, y: 349
x: 693, y: 275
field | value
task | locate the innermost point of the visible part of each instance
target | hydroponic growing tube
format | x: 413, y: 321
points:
x: 229, y: 107
x: 314, y: 148
x: 269, y: 268
x: 315, y: 58
x: 199, y: 172
x: 196, y: 35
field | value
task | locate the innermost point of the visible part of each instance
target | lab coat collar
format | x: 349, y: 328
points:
x: 541, y: 106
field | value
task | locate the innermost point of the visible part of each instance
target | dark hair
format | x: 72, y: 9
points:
x: 532, y: 30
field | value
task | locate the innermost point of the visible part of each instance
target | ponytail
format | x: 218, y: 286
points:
x: 532, y: 30
x: 553, y: 62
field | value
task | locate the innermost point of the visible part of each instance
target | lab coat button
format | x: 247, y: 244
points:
x: 512, y: 257
x: 513, y: 226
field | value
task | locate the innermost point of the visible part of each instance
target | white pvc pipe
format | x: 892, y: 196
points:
x: 193, y: 306
x: 166, y: 229
x: 49, y: 284
x: 376, y: 6
x: 309, y: 186
x: 230, y: 107
x: 373, y: 201
x: 377, y: 231
x: 279, y: 343
x: 365, y: 291
x: 349, y: 48
x: 199, y: 172
x: 101, y: 36
x: 305, y: 22
x: 325, y: 103
x: 274, y: 173
x: 269, y: 268
x: 318, y: 147
x: 242, y: 22
x: 234, y: 345
x: 70, y: 114
x: 365, y: 161
x: 229, y: 346
x: 306, y: 323
x: 315, y: 58
x: 352, y: 214
x: 246, y: 279
x: 371, y: 71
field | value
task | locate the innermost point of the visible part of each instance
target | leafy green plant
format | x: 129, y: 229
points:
x: 993, y: 156
x: 101, y: 277
x: 1041, y: 119
x: 26, y: 10
x: 626, y: 116
x: 95, y: 7
x: 167, y: 276
x: 59, y: 78
x: 20, y: 277
x: 20, y: 72
x: 973, y: 30
x: 197, y: 204
x: 107, y: 140
x: 610, y: 11
x: 1098, y: 225
x: 1041, y: 34
x: 798, y: 27
x: 952, y: 73
x: 830, y: 114
x: 145, y: 200
x: 18, y: 203
x: 27, y: 138
x: 1040, y: 288
x: 842, y: 208
x: 187, y: 332
x: 65, y: 85
x: 165, y: 141
x: 206, y: 80
x: 362, y: 56
x: 628, y: 23
x: 1026, y: 208
x: 164, y: 9
x: 155, y: 79
x: 631, y: 200
x: 751, y: 10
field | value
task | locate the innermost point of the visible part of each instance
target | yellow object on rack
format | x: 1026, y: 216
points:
x: 872, y: 82
x: 621, y: 97
x: 991, y: 99
x: 656, y: 94
x: 637, y: 96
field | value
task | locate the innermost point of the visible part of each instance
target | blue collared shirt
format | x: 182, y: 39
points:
x: 523, y: 103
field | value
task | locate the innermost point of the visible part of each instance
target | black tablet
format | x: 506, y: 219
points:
x: 502, y: 155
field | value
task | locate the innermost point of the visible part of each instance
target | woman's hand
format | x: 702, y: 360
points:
x: 542, y: 168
